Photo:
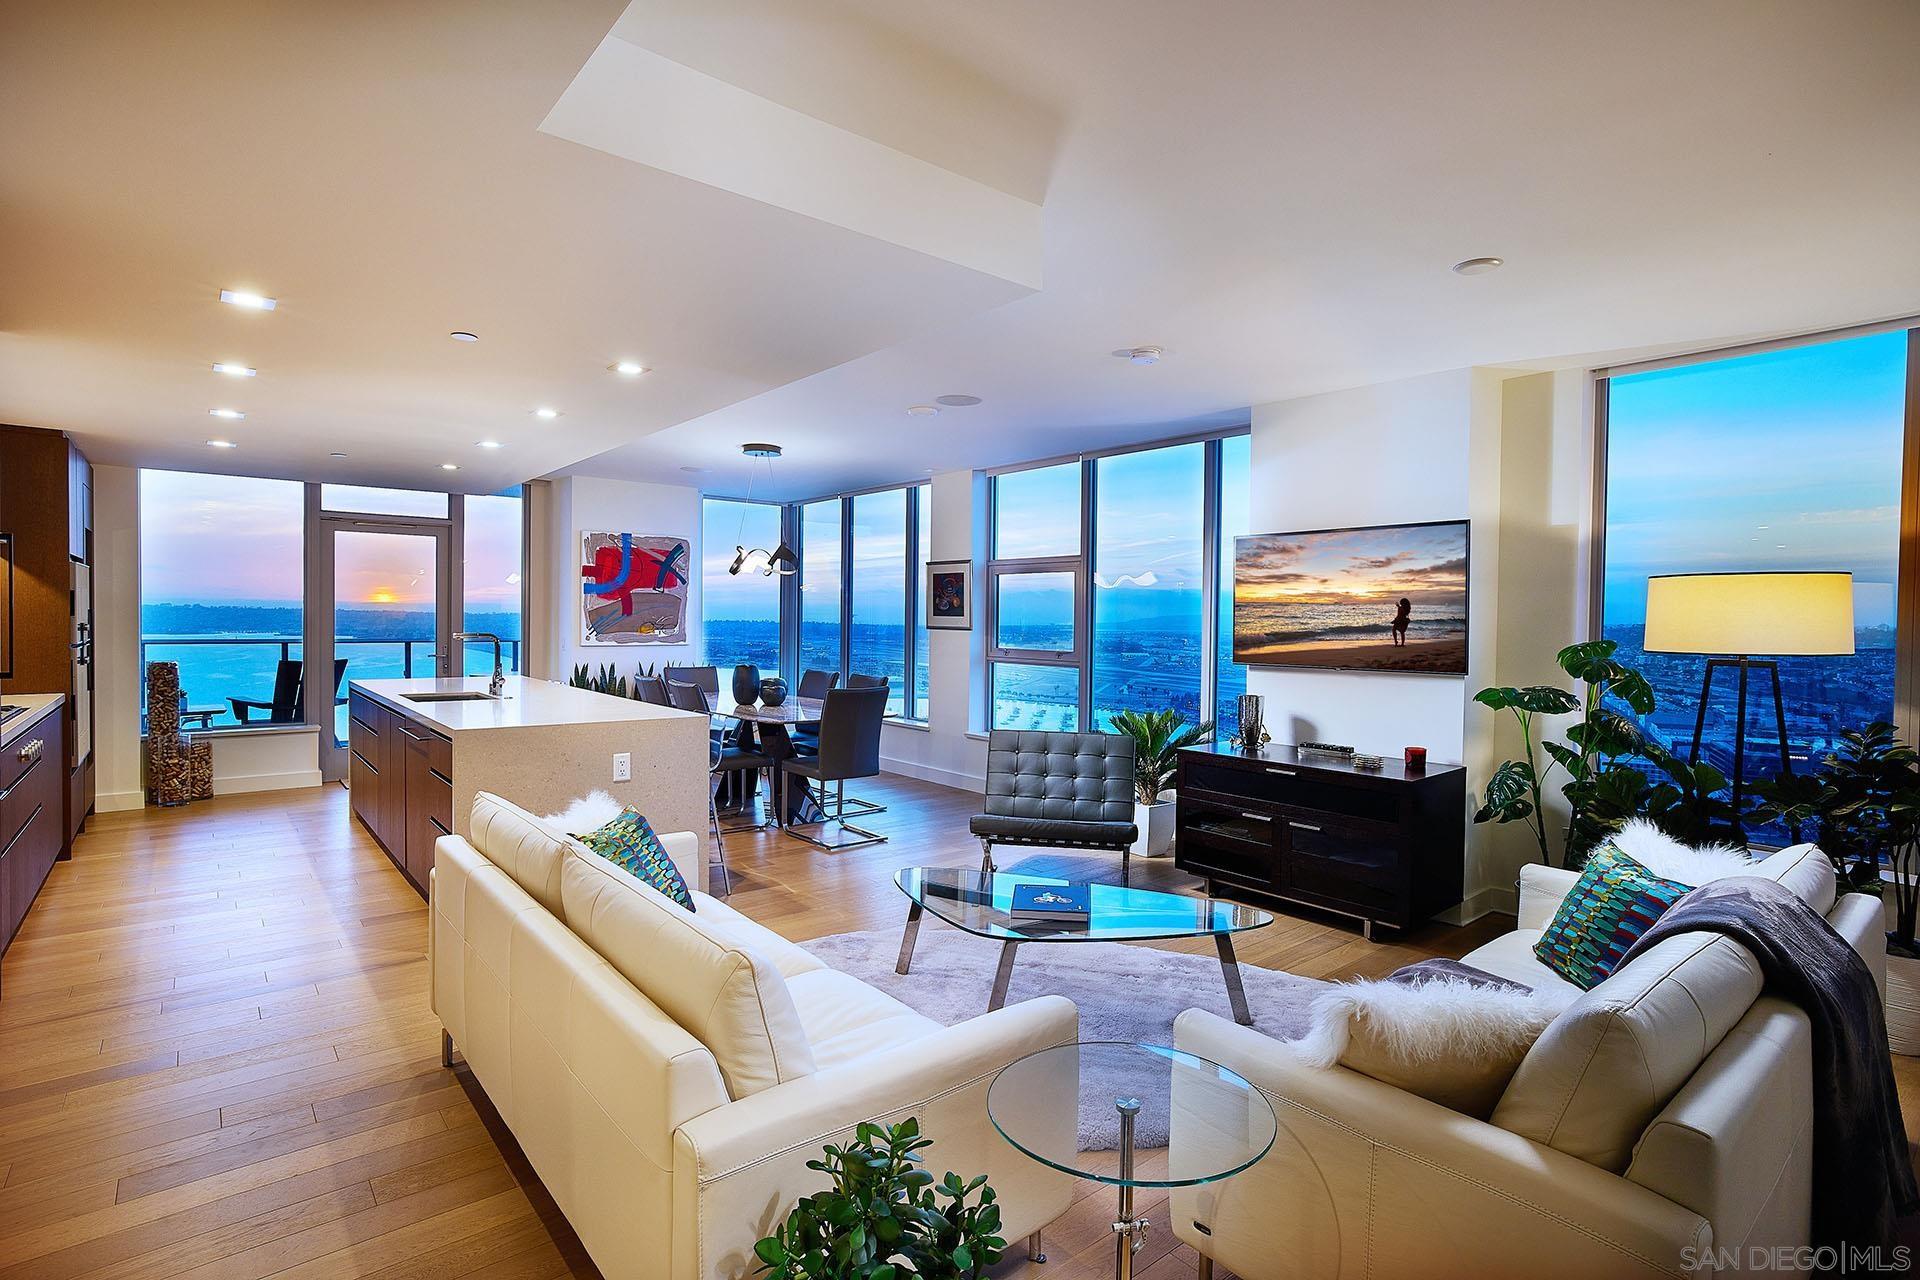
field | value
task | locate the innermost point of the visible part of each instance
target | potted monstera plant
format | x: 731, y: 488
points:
x: 1158, y: 738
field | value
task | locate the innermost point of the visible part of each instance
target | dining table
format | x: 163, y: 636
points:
x: 769, y: 729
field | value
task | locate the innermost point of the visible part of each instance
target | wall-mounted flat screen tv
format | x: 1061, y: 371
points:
x: 1386, y: 598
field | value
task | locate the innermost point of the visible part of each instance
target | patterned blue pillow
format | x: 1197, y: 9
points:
x: 628, y: 842
x: 1614, y: 901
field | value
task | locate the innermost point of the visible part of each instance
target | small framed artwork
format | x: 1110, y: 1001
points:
x: 949, y: 595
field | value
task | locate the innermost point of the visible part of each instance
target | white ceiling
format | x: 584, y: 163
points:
x: 745, y: 195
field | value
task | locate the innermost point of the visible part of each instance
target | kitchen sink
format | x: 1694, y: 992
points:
x: 462, y: 696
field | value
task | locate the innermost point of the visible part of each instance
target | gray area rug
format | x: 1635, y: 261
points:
x: 1124, y: 991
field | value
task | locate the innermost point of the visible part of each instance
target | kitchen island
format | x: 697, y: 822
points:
x: 420, y: 749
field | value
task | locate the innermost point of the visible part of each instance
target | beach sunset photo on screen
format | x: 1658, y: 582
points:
x: 1388, y: 598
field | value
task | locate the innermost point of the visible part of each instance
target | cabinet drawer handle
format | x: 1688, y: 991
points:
x: 32, y: 750
x: 1303, y: 826
x: 1255, y: 817
x: 1285, y: 773
x: 416, y: 737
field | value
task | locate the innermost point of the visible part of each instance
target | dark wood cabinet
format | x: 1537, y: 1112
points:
x: 1385, y: 847
x: 46, y: 505
x: 399, y: 772
x: 32, y: 806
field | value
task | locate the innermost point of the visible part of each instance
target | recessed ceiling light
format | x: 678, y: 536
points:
x: 1141, y: 355
x: 232, y: 370
x: 461, y: 335
x: 488, y: 444
x: 921, y: 410
x: 956, y: 402
x: 336, y: 455
x: 250, y: 301
x: 544, y: 412
x: 223, y: 444
x: 628, y: 368
x: 696, y: 471
x: 449, y: 466
x: 233, y: 414
x: 1478, y: 266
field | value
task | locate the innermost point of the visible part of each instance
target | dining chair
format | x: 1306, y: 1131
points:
x: 707, y: 679
x: 814, y: 685
x: 651, y: 690
x: 850, y: 722
x: 845, y: 804
x: 724, y: 758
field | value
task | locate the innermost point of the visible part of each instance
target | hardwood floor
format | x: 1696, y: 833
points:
x: 217, y: 1060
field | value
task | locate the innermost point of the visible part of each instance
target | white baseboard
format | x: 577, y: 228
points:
x: 945, y: 777
x: 234, y: 784
x: 119, y: 801
x: 1505, y: 900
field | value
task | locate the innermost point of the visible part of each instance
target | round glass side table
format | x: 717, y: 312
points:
x: 1216, y: 1123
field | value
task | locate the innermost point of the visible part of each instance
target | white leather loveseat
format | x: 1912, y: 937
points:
x: 670, y: 1074
x: 1661, y: 1125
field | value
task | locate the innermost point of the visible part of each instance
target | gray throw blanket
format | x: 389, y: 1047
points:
x: 1862, y: 1176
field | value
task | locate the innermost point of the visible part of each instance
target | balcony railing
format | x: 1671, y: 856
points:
x: 214, y: 669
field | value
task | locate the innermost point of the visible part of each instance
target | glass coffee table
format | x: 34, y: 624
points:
x: 980, y: 903
x: 1217, y: 1123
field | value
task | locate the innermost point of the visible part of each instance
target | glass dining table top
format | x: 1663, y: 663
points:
x: 792, y: 711
x: 981, y: 903
x: 1217, y: 1124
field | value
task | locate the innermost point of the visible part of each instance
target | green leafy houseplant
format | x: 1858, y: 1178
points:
x: 1860, y: 806
x: 1603, y: 785
x: 1158, y: 738
x: 885, y: 1217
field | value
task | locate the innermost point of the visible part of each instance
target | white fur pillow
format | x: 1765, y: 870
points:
x: 589, y: 813
x: 1452, y: 1041
x: 1667, y: 858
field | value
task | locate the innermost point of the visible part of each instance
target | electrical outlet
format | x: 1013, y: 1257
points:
x: 623, y: 766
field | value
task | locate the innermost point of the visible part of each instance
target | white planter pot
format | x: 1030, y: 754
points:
x: 1156, y: 829
x: 1903, y: 1005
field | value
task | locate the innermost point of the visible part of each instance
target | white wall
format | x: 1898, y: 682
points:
x: 1515, y: 457
x: 117, y: 762
x: 577, y: 504
x: 952, y: 748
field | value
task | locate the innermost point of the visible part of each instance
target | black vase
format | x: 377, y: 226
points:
x: 746, y: 683
x: 773, y: 691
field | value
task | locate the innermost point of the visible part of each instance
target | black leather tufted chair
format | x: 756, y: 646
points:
x: 1059, y: 790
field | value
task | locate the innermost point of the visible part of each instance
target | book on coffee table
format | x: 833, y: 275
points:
x: 1062, y: 903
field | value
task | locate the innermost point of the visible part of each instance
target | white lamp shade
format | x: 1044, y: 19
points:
x: 1747, y: 614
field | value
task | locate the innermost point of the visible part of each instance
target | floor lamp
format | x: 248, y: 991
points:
x: 1729, y: 617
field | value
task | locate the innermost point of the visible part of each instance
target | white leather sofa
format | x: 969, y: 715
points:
x: 1664, y: 1117
x: 670, y: 1074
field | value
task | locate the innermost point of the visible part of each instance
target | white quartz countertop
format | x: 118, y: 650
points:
x: 527, y: 703
x: 36, y: 704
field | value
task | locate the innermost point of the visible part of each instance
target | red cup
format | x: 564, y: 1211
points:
x: 1416, y: 759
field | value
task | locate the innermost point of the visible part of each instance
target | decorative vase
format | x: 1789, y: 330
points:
x: 773, y: 691
x: 1253, y: 727
x: 1155, y: 824
x: 746, y: 684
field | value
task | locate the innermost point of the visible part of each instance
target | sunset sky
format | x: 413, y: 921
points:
x: 1426, y: 563
x: 236, y: 540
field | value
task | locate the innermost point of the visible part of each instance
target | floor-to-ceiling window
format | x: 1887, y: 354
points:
x: 490, y: 579
x: 740, y: 612
x: 221, y: 589
x: 1786, y: 459
x: 920, y: 691
x: 1100, y: 606
x: 820, y: 579
x: 1033, y: 584
x: 1147, y: 582
x: 877, y: 591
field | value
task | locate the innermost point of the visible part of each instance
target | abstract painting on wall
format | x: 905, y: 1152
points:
x: 1389, y: 598
x: 633, y: 589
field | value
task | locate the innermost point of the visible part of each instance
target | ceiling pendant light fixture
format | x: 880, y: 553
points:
x: 781, y: 559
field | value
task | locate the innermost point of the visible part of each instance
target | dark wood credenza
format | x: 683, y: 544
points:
x: 1384, y: 847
